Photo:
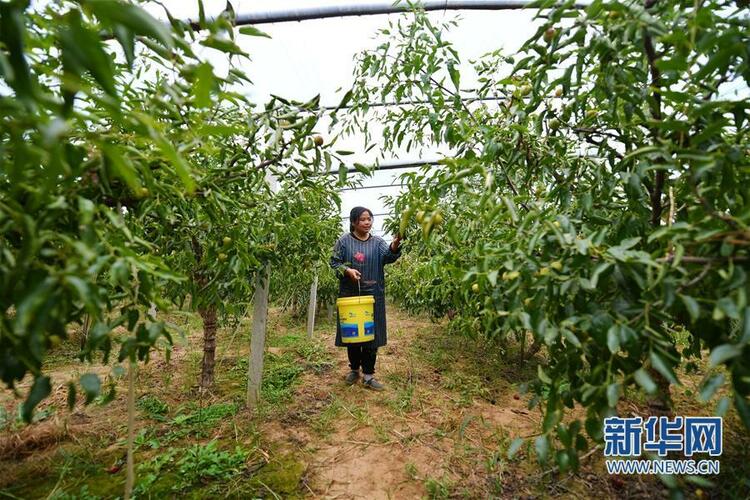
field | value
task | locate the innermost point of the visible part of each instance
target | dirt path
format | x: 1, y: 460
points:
x: 426, y: 432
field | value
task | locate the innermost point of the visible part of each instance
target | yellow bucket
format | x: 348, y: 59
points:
x: 356, y: 319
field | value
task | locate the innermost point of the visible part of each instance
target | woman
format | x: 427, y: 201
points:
x: 358, y: 259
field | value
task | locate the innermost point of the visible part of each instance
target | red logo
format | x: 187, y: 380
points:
x: 359, y: 257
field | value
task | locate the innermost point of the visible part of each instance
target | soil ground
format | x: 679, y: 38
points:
x: 441, y: 429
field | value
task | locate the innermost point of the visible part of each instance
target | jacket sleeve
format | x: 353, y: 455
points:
x: 337, y: 259
x: 387, y: 254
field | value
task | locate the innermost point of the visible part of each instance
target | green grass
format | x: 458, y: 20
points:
x: 323, y: 422
x: 153, y: 407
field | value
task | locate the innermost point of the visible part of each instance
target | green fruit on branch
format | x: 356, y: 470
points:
x: 554, y: 124
x: 427, y: 228
x: 549, y: 35
x: 405, y: 216
x: 420, y: 216
x: 510, y: 275
x: 437, y: 218
x: 227, y: 241
x: 475, y: 288
x: 222, y: 257
x: 525, y: 90
x: 318, y: 140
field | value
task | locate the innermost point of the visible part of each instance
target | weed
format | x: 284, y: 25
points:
x: 147, y: 438
x: 468, y: 386
x: 323, y: 422
x: 315, y: 355
x: 381, y: 434
x: 279, y: 378
x: 437, y: 489
x: 150, y: 471
x: 83, y: 494
x: 206, y: 416
x: 205, y: 462
x: 153, y: 407
x: 402, y: 400
x: 411, y: 470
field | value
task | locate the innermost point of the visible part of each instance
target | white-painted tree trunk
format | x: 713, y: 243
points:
x: 311, y: 309
x: 258, y: 337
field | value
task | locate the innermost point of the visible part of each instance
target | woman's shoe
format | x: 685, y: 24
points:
x: 352, y: 377
x: 374, y: 385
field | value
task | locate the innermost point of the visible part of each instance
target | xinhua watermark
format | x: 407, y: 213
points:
x: 688, y: 436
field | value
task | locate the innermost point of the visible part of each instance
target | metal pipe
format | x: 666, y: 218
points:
x: 394, y: 165
x: 375, y: 8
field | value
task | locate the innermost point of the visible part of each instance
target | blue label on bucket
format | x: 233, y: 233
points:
x: 369, y: 328
x: 349, y: 330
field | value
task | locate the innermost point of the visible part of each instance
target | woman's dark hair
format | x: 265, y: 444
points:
x: 355, y: 214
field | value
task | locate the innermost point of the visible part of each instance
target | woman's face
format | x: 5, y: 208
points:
x: 364, y: 223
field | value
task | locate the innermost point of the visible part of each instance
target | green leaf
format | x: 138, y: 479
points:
x: 39, y: 390
x: 542, y: 376
x: 12, y: 35
x: 644, y: 380
x: 563, y: 460
x: 455, y: 75
x: 542, y: 448
x: 84, y: 292
x: 613, y: 338
x: 122, y: 166
x: 345, y: 100
x: 204, y: 81
x: 343, y: 171
x: 710, y: 386
x: 514, y: 447
x: 253, y: 31
x: 91, y: 386
x: 613, y: 394
x: 692, y: 307
x: 127, y: 42
x: 662, y: 367
x: 728, y: 307
x: 723, y: 353
x: 133, y: 18
x: 82, y: 50
x: 362, y: 169
x: 492, y: 277
x: 176, y: 160
x: 571, y: 337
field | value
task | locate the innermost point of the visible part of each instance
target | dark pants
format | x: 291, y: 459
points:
x: 363, y: 355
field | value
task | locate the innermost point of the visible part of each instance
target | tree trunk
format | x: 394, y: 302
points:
x: 659, y: 403
x: 208, y: 315
x: 85, y: 331
x: 258, y: 338
x: 312, y: 307
x: 129, y: 466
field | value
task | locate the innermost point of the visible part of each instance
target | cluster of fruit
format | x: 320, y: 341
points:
x: 428, y: 221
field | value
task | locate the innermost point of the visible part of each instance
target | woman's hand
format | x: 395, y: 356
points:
x: 353, y: 274
x: 396, y: 243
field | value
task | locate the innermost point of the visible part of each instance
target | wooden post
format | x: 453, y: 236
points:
x: 129, y: 465
x: 258, y: 337
x: 312, y: 307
